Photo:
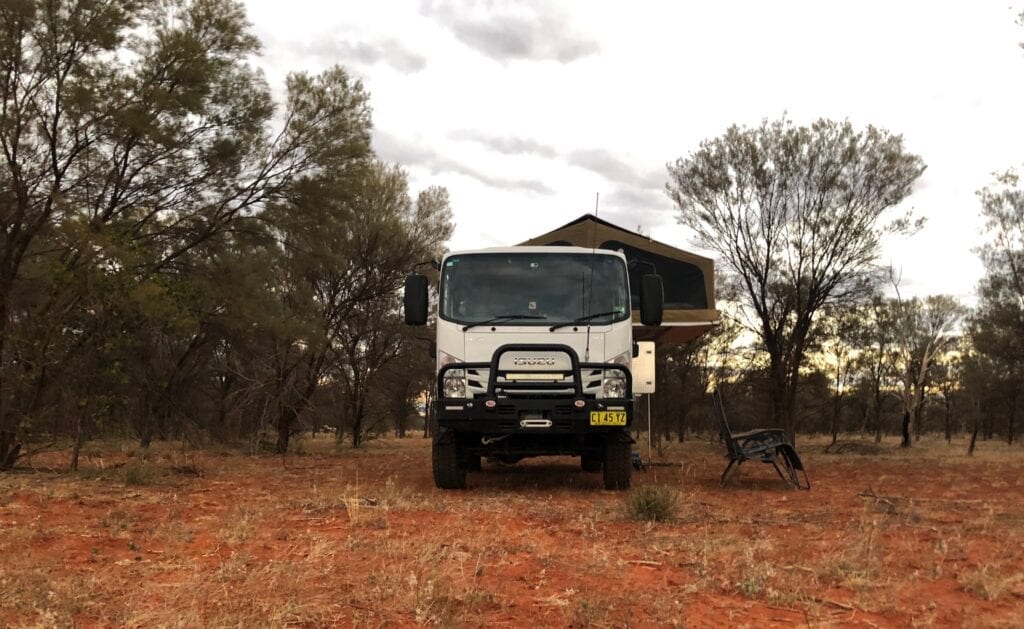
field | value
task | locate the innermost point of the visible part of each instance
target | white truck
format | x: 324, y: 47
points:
x: 534, y: 347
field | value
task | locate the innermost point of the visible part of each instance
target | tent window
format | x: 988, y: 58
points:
x: 684, y: 282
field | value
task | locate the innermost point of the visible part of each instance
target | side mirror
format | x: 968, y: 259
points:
x: 652, y: 299
x: 416, y: 302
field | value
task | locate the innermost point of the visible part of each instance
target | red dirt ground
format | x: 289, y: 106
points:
x: 928, y: 537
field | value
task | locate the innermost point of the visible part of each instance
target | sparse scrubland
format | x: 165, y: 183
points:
x: 927, y: 536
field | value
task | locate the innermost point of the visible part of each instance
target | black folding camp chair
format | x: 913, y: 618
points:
x: 768, y: 445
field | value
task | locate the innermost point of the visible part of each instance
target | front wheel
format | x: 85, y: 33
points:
x: 472, y: 462
x: 617, y: 464
x: 449, y: 472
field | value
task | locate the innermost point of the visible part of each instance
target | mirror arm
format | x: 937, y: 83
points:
x: 434, y: 264
x: 635, y: 262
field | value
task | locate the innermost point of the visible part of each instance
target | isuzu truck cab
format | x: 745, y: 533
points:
x: 534, y: 347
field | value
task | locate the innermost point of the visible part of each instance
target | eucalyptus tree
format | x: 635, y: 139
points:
x: 687, y: 372
x: 134, y: 133
x: 925, y: 329
x: 346, y: 245
x: 997, y: 328
x: 948, y: 378
x: 874, y: 363
x: 400, y: 234
x: 842, y: 331
x: 796, y: 214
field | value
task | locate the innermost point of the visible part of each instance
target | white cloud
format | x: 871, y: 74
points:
x: 597, y: 97
x: 508, y: 31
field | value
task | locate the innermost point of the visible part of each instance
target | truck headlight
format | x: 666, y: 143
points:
x: 613, y: 386
x: 454, y: 383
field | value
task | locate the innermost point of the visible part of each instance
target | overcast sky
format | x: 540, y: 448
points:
x: 525, y: 110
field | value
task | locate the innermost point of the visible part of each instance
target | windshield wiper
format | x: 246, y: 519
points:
x: 582, y: 319
x: 508, y: 317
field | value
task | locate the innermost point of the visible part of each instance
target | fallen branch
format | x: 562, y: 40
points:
x: 870, y: 493
x: 808, y: 570
x: 828, y: 601
x: 888, y: 501
x: 645, y: 562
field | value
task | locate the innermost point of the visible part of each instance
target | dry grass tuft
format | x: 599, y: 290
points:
x: 140, y: 474
x: 991, y: 582
x: 241, y: 522
x: 652, y: 503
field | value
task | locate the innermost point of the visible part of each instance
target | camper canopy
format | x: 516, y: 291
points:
x: 689, y: 279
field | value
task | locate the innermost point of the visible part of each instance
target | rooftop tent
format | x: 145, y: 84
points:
x: 689, y: 279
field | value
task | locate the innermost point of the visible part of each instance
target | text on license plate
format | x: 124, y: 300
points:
x: 607, y: 418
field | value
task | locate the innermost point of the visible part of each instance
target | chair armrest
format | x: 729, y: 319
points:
x: 760, y: 433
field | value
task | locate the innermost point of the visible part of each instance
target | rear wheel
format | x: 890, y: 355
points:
x: 617, y: 464
x: 449, y: 472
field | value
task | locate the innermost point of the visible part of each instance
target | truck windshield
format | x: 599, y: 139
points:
x: 534, y: 288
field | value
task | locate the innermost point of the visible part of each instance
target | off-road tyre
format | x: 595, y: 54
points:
x: 449, y: 472
x: 591, y: 462
x: 618, y: 466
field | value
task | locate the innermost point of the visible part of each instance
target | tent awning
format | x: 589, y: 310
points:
x: 689, y: 279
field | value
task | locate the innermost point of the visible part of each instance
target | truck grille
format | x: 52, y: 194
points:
x: 477, y: 381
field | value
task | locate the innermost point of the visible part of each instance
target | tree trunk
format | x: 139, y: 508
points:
x: 906, y: 430
x: 284, y: 431
x: 289, y: 415
x: 974, y: 438
x: 144, y: 424
x: 10, y: 445
x: 428, y: 405
x: 223, y: 394
x: 430, y: 427
x: 878, y: 411
x: 837, y: 403
x: 357, y: 424
x: 949, y: 422
x: 776, y: 397
x: 77, y: 447
x: 1011, y: 419
x: 146, y: 438
x: 789, y: 409
x: 918, y: 423
x: 10, y: 449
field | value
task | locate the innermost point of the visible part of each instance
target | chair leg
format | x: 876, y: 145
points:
x: 807, y: 481
x: 795, y: 468
x: 790, y: 475
x: 725, y: 474
x: 775, y: 464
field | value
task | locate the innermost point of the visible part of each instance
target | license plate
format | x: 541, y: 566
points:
x: 607, y: 418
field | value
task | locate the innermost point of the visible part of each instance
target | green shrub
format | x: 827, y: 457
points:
x: 652, y: 503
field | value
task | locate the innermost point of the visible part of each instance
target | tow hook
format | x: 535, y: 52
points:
x: 535, y: 423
